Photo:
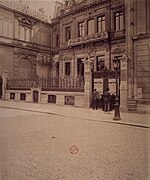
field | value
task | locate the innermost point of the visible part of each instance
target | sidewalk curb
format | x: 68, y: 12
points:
x: 89, y: 119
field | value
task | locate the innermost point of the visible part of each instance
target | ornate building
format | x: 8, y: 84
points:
x: 81, y: 32
x: 24, y: 41
x: 89, y: 29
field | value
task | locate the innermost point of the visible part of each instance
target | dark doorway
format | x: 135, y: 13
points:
x: 35, y: 96
x: 1, y: 83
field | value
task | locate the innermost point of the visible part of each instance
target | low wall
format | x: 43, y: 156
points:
x: 54, y: 97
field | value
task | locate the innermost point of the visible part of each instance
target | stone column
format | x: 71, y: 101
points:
x: 123, y: 85
x: 88, y: 82
x: 4, y: 85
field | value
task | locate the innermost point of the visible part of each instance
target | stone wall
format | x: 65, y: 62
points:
x: 62, y: 98
x: 142, y: 56
x: 6, y: 59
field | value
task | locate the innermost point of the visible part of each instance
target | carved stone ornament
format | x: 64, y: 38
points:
x: 25, y: 21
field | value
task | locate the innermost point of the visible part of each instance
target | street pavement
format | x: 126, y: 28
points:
x: 49, y: 142
x: 132, y: 119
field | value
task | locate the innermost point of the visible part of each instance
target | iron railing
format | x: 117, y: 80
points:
x: 48, y: 84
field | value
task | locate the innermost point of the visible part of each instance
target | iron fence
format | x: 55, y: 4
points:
x: 48, y: 84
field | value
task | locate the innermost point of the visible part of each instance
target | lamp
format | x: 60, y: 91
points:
x: 116, y: 63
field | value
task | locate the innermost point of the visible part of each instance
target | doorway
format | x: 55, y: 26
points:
x: 35, y: 96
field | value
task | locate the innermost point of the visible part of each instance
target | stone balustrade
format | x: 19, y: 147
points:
x: 88, y: 38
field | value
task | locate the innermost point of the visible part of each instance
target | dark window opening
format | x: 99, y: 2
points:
x: 52, y: 99
x: 68, y: 33
x: 12, y: 95
x: 57, y: 69
x: 80, y: 67
x: 100, y: 63
x: 101, y: 24
x: 67, y: 69
x: 23, y: 96
x: 119, y: 22
x: 81, y: 30
x: 57, y: 40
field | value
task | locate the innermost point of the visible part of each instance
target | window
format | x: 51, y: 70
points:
x: 12, y: 95
x: 10, y: 29
x: 68, y: 33
x: 69, y: 100
x: 80, y: 67
x: 57, y: 40
x: 52, y: 99
x: 119, y: 21
x: 67, y: 69
x: 27, y: 34
x: 81, y: 30
x: 22, y: 96
x: 22, y: 33
x: 57, y: 69
x: 100, y: 63
x: 101, y: 24
x: 5, y: 28
x: 90, y: 29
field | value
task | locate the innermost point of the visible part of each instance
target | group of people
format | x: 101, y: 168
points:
x: 106, y: 100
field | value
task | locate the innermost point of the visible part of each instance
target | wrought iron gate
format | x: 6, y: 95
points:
x: 105, y: 79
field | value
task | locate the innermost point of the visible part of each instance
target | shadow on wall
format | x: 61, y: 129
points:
x: 1, y: 82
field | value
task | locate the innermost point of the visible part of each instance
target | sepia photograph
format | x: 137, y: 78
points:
x: 74, y: 89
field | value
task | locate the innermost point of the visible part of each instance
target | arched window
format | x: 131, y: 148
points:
x: 25, y: 68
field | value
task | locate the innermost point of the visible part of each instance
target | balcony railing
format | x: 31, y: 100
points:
x: 88, y: 38
x: 24, y: 9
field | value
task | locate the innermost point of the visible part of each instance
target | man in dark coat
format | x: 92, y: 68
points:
x: 95, y: 99
x: 107, y: 100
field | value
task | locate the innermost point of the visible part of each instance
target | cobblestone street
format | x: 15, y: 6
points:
x: 36, y: 146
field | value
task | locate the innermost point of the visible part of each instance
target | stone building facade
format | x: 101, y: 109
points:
x: 81, y: 31
x: 89, y: 29
x: 138, y: 53
x: 24, y: 41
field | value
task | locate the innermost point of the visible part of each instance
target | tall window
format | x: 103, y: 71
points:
x: 57, y: 40
x: 100, y: 63
x: 67, y: 68
x: 90, y: 29
x: 81, y: 29
x: 5, y: 28
x: 80, y: 67
x: 101, y: 24
x: 119, y: 21
x: 22, y: 33
x: 27, y: 34
x: 57, y: 69
x: 68, y: 33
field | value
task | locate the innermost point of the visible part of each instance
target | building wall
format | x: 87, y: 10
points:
x: 142, y: 55
x: 6, y: 61
x: 138, y: 51
x: 23, y: 38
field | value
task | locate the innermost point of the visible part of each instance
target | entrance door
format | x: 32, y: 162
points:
x: 105, y: 79
x: 1, y: 82
x: 35, y: 96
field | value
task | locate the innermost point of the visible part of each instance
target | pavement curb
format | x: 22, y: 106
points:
x: 120, y: 122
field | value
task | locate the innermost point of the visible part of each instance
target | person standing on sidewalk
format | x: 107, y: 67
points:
x: 107, y: 100
x: 94, y: 99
